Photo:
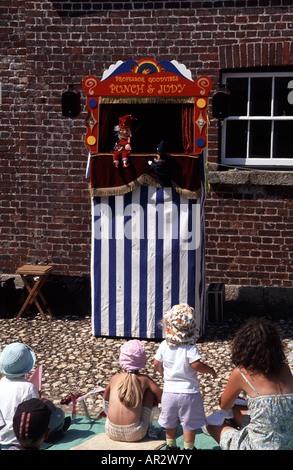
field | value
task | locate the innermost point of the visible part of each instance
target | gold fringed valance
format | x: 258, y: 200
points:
x: 146, y: 100
x: 106, y: 180
x: 150, y: 155
x: 126, y: 188
x: 140, y: 181
x: 187, y: 193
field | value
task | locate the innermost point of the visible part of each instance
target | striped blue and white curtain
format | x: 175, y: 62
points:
x: 148, y: 254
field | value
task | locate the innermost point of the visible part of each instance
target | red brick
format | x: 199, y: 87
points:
x: 46, y: 166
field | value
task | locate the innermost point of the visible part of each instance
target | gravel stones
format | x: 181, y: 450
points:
x: 74, y: 361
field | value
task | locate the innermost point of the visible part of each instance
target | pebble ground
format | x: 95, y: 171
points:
x: 74, y: 361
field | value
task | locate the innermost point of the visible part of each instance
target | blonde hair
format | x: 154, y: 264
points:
x: 129, y: 391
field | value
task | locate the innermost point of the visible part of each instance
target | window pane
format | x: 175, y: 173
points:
x: 283, y: 105
x: 236, y: 139
x: 238, y: 88
x: 260, y: 139
x: 260, y: 96
x: 283, y: 139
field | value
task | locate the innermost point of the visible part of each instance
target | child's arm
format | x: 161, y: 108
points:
x: 159, y: 367
x: 155, y: 389
x: 203, y: 368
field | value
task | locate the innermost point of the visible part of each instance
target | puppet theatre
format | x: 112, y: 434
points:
x: 146, y: 133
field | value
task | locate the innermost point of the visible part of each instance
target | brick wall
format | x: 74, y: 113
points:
x: 250, y: 236
x: 45, y: 201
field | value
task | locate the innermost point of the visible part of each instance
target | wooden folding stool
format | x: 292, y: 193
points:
x: 34, y: 277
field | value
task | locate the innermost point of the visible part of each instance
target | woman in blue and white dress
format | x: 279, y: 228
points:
x: 261, y: 371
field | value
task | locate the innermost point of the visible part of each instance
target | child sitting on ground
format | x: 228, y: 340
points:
x: 179, y: 360
x: 260, y: 371
x: 131, y: 396
x: 31, y: 423
x: 16, y: 360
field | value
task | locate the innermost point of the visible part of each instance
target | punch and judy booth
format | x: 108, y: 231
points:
x: 146, y: 135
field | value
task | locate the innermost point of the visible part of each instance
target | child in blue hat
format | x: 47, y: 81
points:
x: 16, y: 360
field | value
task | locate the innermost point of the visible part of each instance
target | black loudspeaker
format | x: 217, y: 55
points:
x: 221, y: 104
x: 71, y: 102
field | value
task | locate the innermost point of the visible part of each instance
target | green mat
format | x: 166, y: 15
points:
x: 202, y: 441
x: 81, y: 430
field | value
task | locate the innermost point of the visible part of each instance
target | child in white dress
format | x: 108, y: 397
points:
x: 178, y: 360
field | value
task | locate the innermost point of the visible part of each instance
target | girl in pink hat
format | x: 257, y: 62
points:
x: 131, y: 396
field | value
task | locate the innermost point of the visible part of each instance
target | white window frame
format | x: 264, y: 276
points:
x: 249, y: 161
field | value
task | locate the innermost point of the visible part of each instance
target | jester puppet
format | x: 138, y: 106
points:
x: 122, y: 146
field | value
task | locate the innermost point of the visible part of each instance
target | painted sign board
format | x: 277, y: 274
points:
x: 147, y: 80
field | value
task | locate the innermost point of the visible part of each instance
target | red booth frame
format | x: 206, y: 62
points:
x: 147, y: 82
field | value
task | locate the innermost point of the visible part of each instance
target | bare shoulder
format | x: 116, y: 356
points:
x: 148, y: 382
x: 142, y: 378
x: 235, y: 380
x: 118, y: 377
x: 115, y: 379
x: 145, y: 378
x: 238, y: 377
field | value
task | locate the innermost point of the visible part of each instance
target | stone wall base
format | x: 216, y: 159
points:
x: 71, y: 295
x: 267, y: 301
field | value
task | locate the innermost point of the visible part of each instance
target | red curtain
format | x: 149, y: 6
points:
x: 187, y: 128
x: 105, y: 118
